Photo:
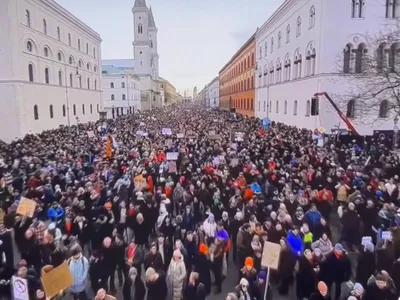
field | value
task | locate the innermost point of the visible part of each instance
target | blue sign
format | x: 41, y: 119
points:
x: 266, y: 122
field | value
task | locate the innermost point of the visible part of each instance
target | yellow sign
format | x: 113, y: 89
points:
x: 26, y: 207
x: 56, y: 280
x: 270, y: 256
x: 321, y: 130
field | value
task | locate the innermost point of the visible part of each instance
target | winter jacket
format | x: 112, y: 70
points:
x: 325, y: 246
x: 295, y: 242
x: 176, y: 276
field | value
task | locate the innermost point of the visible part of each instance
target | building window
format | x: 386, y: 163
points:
x: 140, y: 28
x: 277, y: 107
x: 71, y: 60
x: 44, y: 26
x: 285, y: 108
x: 308, y: 108
x: 310, y: 61
x: 347, y: 59
x: 58, y: 33
x: 80, y: 82
x: 94, y: 52
x: 123, y: 97
x: 295, y: 108
x: 74, y: 109
x: 312, y: 17
x: 384, y: 109
x: 69, y: 39
x: 260, y: 52
x: 29, y: 46
x: 51, y: 111
x: 298, y: 27
x: 350, y: 112
x: 270, y: 106
x: 95, y: 69
x: 279, y: 39
x: 272, y: 44
x: 88, y: 83
x: 46, y: 76
x: 123, y: 85
x: 98, y: 108
x: 27, y: 18
x: 360, y: 57
x: 112, y: 97
x: 30, y: 72
x: 91, y: 108
x: 252, y: 59
x: 60, y: 78
x: 392, y: 8
x: 63, y: 110
x: 70, y: 80
x: 80, y: 64
x: 35, y: 112
x: 288, y: 34
x: 87, y: 48
x: 95, y: 84
x: 79, y: 44
x: 83, y: 109
x: 112, y: 85
x: 59, y: 56
x: 46, y: 52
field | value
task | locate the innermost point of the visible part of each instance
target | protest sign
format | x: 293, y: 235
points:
x: 234, y: 162
x: 386, y: 235
x: 166, y: 131
x: 26, y: 207
x: 211, y: 132
x: 19, y: 288
x: 366, y: 240
x: 214, y: 137
x: 216, y: 161
x: 270, y: 256
x: 172, y: 155
x: 172, y: 167
x: 140, y: 183
x: 56, y: 280
x: 180, y: 135
x: 90, y: 134
x: 239, y: 136
x: 168, y: 143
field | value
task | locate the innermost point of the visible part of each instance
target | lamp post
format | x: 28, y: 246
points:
x: 395, y: 131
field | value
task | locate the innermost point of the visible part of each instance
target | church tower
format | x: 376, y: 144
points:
x: 141, y: 44
x: 153, y: 45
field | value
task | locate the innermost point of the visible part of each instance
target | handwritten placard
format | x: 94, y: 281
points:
x: 26, y: 207
x: 386, y: 235
x: 20, y: 288
x: 172, y: 155
x: 172, y: 167
x: 180, y: 135
x: 90, y: 134
x: 366, y: 240
x: 271, y: 255
x: 166, y: 131
x: 56, y: 280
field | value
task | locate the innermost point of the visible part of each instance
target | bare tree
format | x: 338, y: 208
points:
x: 370, y: 73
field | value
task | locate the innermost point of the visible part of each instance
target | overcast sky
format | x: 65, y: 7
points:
x: 195, y: 37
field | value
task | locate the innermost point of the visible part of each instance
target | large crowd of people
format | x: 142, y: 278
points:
x: 165, y: 200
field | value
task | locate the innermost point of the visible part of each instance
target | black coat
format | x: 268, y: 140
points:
x: 306, y: 279
x: 157, y: 290
x: 372, y: 292
x: 365, y: 267
x: 203, y: 267
x: 140, y: 290
x: 154, y: 261
x: 335, y: 269
x: 287, y: 264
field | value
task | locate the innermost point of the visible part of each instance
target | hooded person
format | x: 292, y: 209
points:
x: 321, y: 293
x: 176, y: 275
x: 210, y: 226
x: 203, y: 267
x: 243, y: 291
x: 133, y: 288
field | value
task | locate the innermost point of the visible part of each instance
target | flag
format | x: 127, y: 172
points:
x: 108, y: 147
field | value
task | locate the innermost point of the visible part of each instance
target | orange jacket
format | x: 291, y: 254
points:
x: 325, y: 195
x: 248, y: 194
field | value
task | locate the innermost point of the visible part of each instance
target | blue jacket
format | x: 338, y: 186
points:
x: 55, y: 214
x: 295, y: 243
x: 255, y: 187
x: 313, y: 218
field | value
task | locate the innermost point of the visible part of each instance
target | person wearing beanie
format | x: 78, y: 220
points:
x: 321, y: 293
x: 258, y: 287
x: 336, y: 268
x: 243, y: 289
x: 366, y: 264
x: 248, y: 271
x: 202, y: 267
x: 133, y: 288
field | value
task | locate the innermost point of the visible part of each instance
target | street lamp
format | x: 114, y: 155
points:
x: 395, y: 131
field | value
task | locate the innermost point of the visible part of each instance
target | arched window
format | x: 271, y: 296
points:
x: 298, y: 26
x: 80, y: 81
x: 51, y: 111
x: 35, y: 112
x: 46, y: 75
x: 287, y: 34
x: 29, y: 46
x: 252, y: 59
x: 27, y: 18
x: 91, y: 108
x: 79, y: 44
x: 112, y: 85
x: 277, y: 107
x: 383, y: 109
x: 313, y: 61
x: 88, y: 83
x: 360, y: 58
x: 279, y: 39
x: 95, y: 69
x: 392, y: 8
x: 70, y: 80
x: 46, y: 52
x: 95, y: 84
x: 87, y: 48
x: 308, y: 108
x: 248, y: 83
x: 394, y: 57
x: 74, y: 109
x: 60, y: 81
x: 123, y: 97
x: 30, y: 73
x: 88, y: 66
x: 94, y: 52
x: 44, y: 26
x: 140, y: 28
x: 80, y: 64
x: 58, y: 33
x: 59, y: 56
x: 347, y: 53
x: 69, y: 39
x: 295, y: 108
x: 83, y: 109
x: 71, y: 60
x: 351, y: 108
x: 312, y: 17
x: 112, y: 97
x: 123, y: 85
x: 285, y: 108
x: 260, y: 52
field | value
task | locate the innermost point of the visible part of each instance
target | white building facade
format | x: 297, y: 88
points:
x: 301, y: 49
x: 121, y: 92
x: 212, y: 93
x: 50, y: 72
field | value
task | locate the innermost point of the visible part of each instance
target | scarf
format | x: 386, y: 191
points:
x: 131, y: 252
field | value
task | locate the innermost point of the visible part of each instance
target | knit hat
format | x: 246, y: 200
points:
x: 358, y: 287
x: 248, y: 262
x: 339, y: 247
x: 203, y: 249
x: 322, y: 288
x: 262, y: 275
x: 244, y: 281
x: 132, y: 271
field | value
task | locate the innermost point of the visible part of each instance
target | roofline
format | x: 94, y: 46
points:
x: 275, y: 15
x: 70, y: 17
x: 238, y: 52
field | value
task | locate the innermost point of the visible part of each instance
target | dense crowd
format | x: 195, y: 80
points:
x: 165, y: 200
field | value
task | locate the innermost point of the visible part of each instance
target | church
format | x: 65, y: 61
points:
x: 145, y: 62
